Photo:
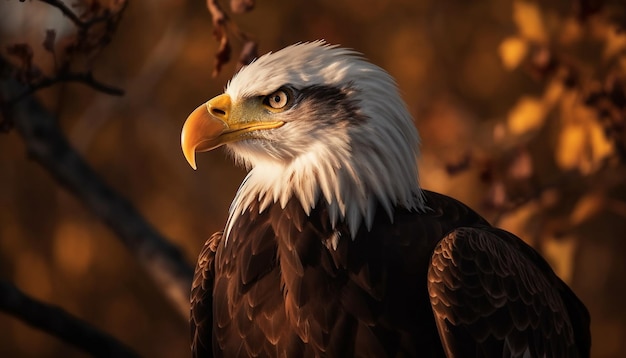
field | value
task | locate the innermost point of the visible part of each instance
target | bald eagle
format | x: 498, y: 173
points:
x: 331, y: 247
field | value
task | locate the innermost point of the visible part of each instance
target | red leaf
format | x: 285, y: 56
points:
x: 241, y: 6
x: 248, y: 53
x: 223, y: 55
x: 48, y: 43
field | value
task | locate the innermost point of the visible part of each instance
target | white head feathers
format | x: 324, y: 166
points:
x: 354, y: 163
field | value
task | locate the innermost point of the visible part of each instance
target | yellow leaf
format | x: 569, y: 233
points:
x: 512, y: 51
x: 586, y: 207
x: 615, y: 43
x: 527, y: 17
x: 570, y: 149
x: 527, y: 115
x: 553, y: 93
x: 601, y: 147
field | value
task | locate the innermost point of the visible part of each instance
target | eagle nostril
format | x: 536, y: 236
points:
x: 218, y: 112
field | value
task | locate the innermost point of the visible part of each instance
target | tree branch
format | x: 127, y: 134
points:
x: 84, y: 78
x: 75, y: 18
x: 60, y: 324
x: 45, y: 143
x: 66, y: 11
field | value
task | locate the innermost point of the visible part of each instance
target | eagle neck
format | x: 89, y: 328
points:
x: 351, y: 191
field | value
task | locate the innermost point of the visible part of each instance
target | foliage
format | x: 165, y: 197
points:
x: 520, y: 104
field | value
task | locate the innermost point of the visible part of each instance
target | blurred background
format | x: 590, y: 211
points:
x: 520, y: 106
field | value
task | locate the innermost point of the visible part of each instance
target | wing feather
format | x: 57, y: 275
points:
x: 493, y: 295
x: 201, y: 317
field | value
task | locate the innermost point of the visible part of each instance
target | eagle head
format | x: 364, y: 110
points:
x: 313, y: 121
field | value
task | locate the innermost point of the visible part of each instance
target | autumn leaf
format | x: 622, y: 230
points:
x: 529, y: 21
x: 528, y: 114
x: 241, y: 6
x: 570, y: 148
x: 248, y: 53
x: 512, y: 51
x: 48, y: 43
x: 222, y: 56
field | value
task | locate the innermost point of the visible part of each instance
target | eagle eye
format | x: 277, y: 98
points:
x: 278, y: 99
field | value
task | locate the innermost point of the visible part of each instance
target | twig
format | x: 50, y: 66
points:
x: 66, y: 11
x: 84, y: 78
x: 75, y: 18
x: 142, y: 85
x: 47, y: 144
x: 87, y: 42
x: 61, y: 324
x: 217, y: 14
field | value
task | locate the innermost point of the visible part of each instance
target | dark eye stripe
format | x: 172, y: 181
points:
x: 331, y: 104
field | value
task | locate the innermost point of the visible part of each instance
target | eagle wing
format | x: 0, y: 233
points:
x: 201, y: 317
x: 494, y: 296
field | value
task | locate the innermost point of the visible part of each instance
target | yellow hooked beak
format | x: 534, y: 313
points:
x: 218, y: 122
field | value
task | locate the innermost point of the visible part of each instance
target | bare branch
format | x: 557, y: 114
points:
x: 61, y: 324
x: 76, y: 19
x: 45, y: 143
x: 66, y: 11
x: 87, y: 42
x: 84, y: 78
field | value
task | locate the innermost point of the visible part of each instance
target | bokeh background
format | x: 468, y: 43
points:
x: 520, y: 105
